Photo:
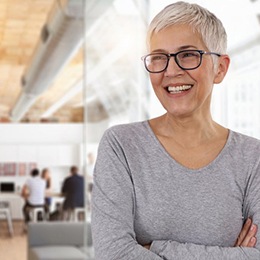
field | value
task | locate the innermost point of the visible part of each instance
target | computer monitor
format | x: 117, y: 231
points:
x: 7, y: 187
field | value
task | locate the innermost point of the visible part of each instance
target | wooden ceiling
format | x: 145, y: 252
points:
x: 21, y: 22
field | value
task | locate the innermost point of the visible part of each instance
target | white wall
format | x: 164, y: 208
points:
x: 55, y: 146
x: 41, y: 133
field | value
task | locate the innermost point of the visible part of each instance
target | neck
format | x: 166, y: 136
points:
x: 187, y: 132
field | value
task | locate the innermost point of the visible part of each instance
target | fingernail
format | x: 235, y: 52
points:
x: 253, y: 240
x: 252, y: 227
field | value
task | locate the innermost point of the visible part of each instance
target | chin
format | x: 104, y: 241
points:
x: 179, y: 113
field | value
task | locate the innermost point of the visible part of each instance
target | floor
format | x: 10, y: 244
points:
x: 15, y: 247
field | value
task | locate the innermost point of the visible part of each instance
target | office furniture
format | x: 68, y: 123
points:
x: 5, y: 210
x: 34, y: 212
x: 16, y: 203
x: 79, y: 214
x: 54, y: 240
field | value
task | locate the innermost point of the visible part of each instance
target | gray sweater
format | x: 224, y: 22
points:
x: 141, y: 195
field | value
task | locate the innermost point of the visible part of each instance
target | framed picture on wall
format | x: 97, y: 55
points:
x: 22, y: 169
x: 1, y: 169
x: 9, y: 169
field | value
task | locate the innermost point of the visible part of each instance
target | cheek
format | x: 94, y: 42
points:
x: 156, y: 79
x: 202, y: 76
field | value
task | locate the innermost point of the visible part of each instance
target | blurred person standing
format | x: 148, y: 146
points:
x: 91, y: 158
x: 73, y: 191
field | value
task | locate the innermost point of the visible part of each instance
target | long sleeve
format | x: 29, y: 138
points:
x: 113, y: 208
x: 137, y: 200
x: 171, y: 250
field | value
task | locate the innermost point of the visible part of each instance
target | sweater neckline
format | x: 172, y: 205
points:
x: 206, y: 167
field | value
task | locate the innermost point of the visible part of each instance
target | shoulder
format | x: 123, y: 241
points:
x: 126, y: 131
x: 244, y: 149
x: 78, y: 176
x: 68, y: 178
x: 125, y: 139
x: 125, y: 136
x: 245, y: 142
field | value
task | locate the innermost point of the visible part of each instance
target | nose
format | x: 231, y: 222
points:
x: 173, y: 69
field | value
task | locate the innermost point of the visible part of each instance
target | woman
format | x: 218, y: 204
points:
x: 46, y: 176
x: 179, y: 186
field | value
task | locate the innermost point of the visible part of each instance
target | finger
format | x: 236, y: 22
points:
x: 251, y: 233
x: 252, y: 242
x: 244, y: 232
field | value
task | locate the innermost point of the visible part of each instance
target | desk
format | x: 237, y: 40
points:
x: 16, y: 203
x: 56, y: 197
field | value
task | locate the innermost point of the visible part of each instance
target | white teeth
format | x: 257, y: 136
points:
x: 179, y: 88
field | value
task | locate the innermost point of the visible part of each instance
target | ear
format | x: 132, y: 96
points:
x: 222, y: 68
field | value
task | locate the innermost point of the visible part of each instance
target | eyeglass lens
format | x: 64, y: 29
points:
x: 158, y: 62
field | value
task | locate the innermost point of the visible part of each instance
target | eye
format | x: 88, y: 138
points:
x: 158, y: 57
x: 188, y: 54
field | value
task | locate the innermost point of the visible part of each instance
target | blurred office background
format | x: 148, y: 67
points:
x: 69, y: 69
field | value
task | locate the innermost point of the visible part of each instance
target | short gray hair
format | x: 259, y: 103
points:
x: 199, y: 18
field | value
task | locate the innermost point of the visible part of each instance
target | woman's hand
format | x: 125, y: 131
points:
x: 247, y: 236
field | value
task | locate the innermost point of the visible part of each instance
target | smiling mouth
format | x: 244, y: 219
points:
x: 178, y: 89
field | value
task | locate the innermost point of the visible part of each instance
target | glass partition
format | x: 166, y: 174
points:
x: 115, y: 81
x: 116, y: 89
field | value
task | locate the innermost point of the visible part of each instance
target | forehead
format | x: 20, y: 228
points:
x: 176, y: 37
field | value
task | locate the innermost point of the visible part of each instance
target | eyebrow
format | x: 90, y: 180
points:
x: 185, y: 47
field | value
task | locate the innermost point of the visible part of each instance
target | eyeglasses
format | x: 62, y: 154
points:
x: 186, y: 60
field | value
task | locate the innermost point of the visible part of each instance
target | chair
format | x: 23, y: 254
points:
x: 74, y: 215
x: 79, y: 212
x: 34, y: 212
x: 5, y: 210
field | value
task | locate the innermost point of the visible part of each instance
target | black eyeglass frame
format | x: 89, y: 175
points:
x: 169, y: 55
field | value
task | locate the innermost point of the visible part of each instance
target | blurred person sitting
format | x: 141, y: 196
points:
x: 46, y: 176
x: 73, y: 191
x: 33, y: 192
